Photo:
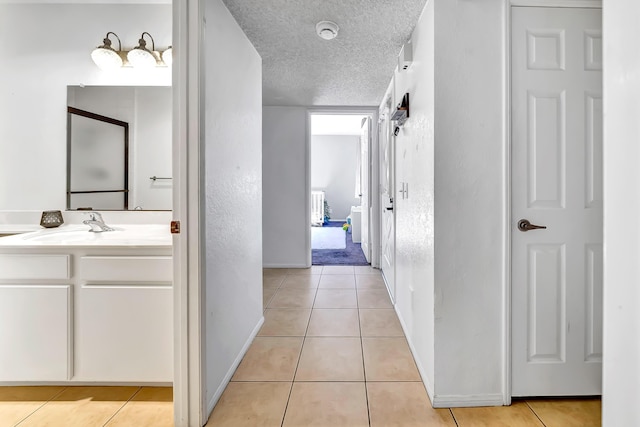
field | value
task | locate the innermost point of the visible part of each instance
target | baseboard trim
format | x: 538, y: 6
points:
x: 267, y: 265
x: 595, y: 4
x: 423, y: 374
x: 216, y: 396
x: 466, y: 401
x: 86, y: 383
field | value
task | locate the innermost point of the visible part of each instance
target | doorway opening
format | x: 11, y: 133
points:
x: 339, y: 180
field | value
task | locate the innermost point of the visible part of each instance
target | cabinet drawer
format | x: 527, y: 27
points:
x: 102, y: 269
x: 33, y: 267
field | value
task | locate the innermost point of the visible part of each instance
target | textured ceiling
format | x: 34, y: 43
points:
x: 300, y: 68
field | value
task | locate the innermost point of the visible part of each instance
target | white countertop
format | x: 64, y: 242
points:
x: 78, y: 235
x: 18, y: 228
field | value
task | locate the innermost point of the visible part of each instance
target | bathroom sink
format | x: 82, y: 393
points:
x: 123, y: 235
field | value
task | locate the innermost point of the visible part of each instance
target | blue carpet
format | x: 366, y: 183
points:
x: 352, y: 255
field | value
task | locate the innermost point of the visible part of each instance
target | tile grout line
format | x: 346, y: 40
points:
x: 453, y: 416
x: 304, y: 339
x: 286, y: 406
x: 123, y: 405
x: 534, y: 412
x: 364, y: 368
x: 41, y: 406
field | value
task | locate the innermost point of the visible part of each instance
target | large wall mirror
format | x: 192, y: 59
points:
x: 119, y: 148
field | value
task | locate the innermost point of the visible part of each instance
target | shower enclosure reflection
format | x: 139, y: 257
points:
x: 97, y: 161
x: 118, y: 141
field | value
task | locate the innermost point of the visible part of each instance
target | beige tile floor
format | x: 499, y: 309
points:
x: 331, y: 353
x: 86, y: 406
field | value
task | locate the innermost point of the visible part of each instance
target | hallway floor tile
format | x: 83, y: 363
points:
x: 310, y: 366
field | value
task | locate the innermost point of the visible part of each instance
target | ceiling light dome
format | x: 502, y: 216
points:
x: 327, y: 30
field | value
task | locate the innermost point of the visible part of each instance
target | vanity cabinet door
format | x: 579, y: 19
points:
x: 35, y: 332
x: 124, y: 332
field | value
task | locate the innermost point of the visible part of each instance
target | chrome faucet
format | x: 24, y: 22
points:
x: 96, y: 223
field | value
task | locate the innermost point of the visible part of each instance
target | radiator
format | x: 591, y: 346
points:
x: 317, y: 207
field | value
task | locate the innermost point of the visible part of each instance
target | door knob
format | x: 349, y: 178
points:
x: 525, y: 225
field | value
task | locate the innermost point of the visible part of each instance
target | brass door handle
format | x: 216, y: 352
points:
x: 525, y: 225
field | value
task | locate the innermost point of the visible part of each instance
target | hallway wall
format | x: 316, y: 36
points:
x: 232, y: 198
x: 415, y: 214
x: 451, y: 271
x: 286, y: 218
x: 470, y: 206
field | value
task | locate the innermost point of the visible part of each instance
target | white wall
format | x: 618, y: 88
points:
x: 621, y: 353
x: 45, y: 48
x: 469, y: 201
x: 232, y: 197
x: 333, y: 170
x: 152, y: 149
x: 415, y: 214
x: 285, y: 219
x: 450, y: 271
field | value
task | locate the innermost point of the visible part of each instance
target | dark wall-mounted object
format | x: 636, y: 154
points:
x: 402, y: 111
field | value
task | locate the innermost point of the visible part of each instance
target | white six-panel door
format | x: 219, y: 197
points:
x: 388, y: 234
x: 557, y: 183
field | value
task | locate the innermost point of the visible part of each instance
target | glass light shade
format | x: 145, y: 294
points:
x: 167, y: 56
x: 106, y: 58
x: 141, y: 58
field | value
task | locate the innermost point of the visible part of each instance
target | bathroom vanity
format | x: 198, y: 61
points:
x: 82, y: 307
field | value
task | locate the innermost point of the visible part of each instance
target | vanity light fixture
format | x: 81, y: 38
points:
x: 106, y: 57
x: 142, y: 57
x: 167, y: 56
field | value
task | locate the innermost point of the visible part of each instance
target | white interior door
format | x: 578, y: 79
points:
x: 365, y: 198
x: 557, y: 183
x: 387, y: 185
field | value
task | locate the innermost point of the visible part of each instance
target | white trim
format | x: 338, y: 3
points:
x: 180, y: 255
x: 70, y: 335
x: 467, y: 400
x: 187, y: 73
x: 594, y: 4
x: 374, y: 190
x: 423, y: 375
x: 356, y: 110
x: 86, y: 383
x: 506, y: 178
x: 227, y: 378
x: 307, y: 186
x: 195, y: 174
x: 285, y: 266
x: 382, y: 109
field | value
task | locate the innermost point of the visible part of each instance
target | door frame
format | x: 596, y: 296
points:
x: 508, y: 230
x: 187, y: 77
x: 374, y: 221
x: 388, y: 96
